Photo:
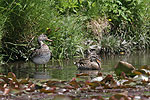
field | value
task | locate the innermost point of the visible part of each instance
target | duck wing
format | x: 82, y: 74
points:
x: 35, y: 53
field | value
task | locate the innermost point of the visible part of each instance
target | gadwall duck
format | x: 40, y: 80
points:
x: 43, y: 54
x: 93, y: 63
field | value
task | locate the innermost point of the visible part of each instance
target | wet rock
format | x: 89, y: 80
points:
x: 124, y: 67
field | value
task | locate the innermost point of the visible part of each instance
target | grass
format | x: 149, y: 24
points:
x: 68, y: 37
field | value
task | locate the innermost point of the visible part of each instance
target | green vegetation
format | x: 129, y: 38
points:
x: 113, y: 25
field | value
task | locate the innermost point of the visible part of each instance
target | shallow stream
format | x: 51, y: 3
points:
x: 66, y: 70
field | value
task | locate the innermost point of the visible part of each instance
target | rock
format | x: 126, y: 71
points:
x: 124, y: 67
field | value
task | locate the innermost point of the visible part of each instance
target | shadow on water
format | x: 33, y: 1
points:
x: 65, y: 69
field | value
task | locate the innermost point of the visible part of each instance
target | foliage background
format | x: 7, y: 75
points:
x: 113, y: 25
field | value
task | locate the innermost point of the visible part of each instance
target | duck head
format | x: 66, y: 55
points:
x: 43, y: 37
x: 97, y: 60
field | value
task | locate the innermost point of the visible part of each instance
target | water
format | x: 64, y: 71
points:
x: 65, y: 69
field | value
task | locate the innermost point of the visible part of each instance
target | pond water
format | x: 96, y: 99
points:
x: 66, y: 70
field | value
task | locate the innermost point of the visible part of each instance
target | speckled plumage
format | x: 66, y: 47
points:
x: 92, y: 63
x: 43, y: 54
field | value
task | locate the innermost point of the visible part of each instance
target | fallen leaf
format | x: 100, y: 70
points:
x: 6, y: 91
x: 81, y: 74
x: 120, y: 96
x: 24, y: 81
x: 51, y: 90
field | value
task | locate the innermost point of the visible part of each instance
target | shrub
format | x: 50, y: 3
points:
x: 24, y: 20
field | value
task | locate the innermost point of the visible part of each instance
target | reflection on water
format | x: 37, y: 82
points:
x: 65, y: 70
x: 90, y: 72
x: 41, y: 75
x: 54, y: 69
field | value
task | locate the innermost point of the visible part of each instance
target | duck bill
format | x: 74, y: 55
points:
x: 49, y: 40
x: 98, y: 61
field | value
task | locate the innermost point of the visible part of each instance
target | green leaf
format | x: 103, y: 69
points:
x: 119, y: 2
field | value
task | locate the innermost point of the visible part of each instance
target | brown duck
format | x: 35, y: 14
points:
x: 91, y: 63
